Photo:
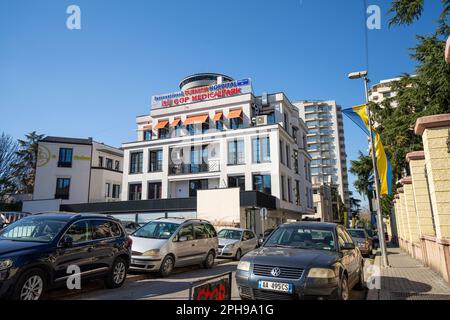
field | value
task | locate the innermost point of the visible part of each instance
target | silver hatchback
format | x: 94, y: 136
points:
x: 164, y: 244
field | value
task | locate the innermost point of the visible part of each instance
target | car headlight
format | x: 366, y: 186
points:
x: 231, y: 245
x: 322, y: 273
x: 151, y: 253
x: 6, y: 264
x: 243, y: 266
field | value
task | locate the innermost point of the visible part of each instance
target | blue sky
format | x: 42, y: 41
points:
x: 94, y: 81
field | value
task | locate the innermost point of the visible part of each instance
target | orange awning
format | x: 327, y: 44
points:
x: 196, y: 119
x: 161, y: 124
x: 235, y: 114
x: 218, y: 116
x: 175, y: 122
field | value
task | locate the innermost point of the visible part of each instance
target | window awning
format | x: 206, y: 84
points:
x: 218, y: 116
x: 175, y: 122
x: 161, y: 124
x: 196, y: 119
x: 235, y: 114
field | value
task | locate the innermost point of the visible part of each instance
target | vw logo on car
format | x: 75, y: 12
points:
x: 275, y: 272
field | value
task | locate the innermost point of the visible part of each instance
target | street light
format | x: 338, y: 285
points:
x: 381, y: 239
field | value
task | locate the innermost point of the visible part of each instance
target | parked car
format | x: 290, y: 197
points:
x: 235, y: 242
x: 130, y: 226
x: 163, y: 244
x: 362, y: 240
x: 9, y: 217
x: 374, y: 236
x: 37, y: 251
x: 264, y: 236
x: 302, y: 260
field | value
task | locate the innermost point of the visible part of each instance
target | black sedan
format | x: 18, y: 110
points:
x: 302, y: 260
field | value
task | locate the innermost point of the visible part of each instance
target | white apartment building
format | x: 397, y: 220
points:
x: 382, y: 91
x: 73, y: 170
x: 326, y: 145
x: 215, y: 134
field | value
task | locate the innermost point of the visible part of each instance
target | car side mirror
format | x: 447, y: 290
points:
x: 348, y: 246
x: 182, y: 239
x: 66, y: 242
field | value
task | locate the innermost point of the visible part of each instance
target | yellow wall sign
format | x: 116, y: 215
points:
x: 43, y: 157
x: 83, y: 158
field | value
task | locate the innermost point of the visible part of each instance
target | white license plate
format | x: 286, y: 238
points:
x: 275, y: 286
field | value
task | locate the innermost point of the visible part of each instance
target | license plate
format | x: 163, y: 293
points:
x: 275, y: 286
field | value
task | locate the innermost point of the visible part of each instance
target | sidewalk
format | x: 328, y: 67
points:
x: 408, y: 279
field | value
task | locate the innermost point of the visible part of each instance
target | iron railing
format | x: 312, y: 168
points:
x: 179, y: 169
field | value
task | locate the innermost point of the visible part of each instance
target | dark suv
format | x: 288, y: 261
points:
x: 47, y: 250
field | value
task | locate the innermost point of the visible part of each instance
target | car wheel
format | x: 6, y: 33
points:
x: 31, y: 285
x: 209, y: 260
x: 361, y: 282
x: 238, y: 255
x: 167, y: 266
x: 343, y: 291
x: 117, y: 275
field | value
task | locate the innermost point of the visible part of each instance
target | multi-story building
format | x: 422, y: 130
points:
x: 382, y: 91
x: 77, y: 171
x: 323, y: 203
x: 326, y: 145
x: 216, y: 134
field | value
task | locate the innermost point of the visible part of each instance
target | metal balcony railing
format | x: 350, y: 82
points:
x: 210, y: 166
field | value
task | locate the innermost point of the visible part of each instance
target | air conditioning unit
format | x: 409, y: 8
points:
x: 261, y: 120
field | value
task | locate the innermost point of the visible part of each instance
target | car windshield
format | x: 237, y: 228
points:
x: 302, y: 238
x: 357, y: 233
x: 33, y: 229
x: 156, y: 230
x: 229, y: 234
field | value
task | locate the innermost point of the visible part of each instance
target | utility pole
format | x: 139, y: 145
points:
x: 381, y: 238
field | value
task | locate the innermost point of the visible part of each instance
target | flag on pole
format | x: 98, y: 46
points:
x: 358, y: 114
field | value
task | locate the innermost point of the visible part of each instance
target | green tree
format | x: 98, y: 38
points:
x: 25, y: 167
x: 425, y: 93
x: 362, y: 168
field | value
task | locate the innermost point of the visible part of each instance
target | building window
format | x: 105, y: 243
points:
x: 261, y: 149
x: 116, y: 191
x: 237, y: 123
x: 283, y: 188
x: 65, y: 158
x: 147, y: 135
x: 297, y: 192
x: 236, y: 153
x: 107, y: 190
x: 295, y: 134
x: 262, y: 183
x: 155, y: 163
x: 154, y: 190
x: 286, y: 123
x: 237, y: 182
x: 289, y: 190
x: 271, y: 118
x: 62, y: 188
x: 195, y: 185
x: 135, y: 191
x: 117, y: 165
x: 177, y: 129
x: 281, y: 152
x: 109, y: 163
x: 295, y: 161
x: 288, y: 156
x: 197, y: 128
x: 136, y: 162
x: 100, y: 162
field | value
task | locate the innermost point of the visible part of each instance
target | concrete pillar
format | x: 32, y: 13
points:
x: 399, y: 217
x: 414, y: 227
x: 408, y: 235
x: 435, y: 131
x: 416, y: 161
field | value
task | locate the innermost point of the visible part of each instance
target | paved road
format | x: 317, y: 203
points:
x: 149, y: 286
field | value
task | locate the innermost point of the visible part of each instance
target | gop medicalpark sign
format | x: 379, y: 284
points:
x: 223, y: 90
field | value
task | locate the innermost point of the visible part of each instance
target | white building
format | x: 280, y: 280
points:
x: 77, y: 171
x: 215, y: 134
x: 382, y: 91
x: 326, y: 145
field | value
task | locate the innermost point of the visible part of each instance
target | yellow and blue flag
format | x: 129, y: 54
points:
x: 358, y: 114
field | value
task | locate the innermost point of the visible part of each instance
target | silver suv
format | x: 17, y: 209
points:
x: 164, y: 244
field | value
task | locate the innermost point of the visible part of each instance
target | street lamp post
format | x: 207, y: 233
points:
x: 381, y: 239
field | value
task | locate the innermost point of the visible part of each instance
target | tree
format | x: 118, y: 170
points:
x: 25, y: 167
x: 362, y: 168
x: 8, y: 157
x: 425, y: 93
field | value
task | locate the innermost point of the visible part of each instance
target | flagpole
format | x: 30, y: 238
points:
x: 381, y: 238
